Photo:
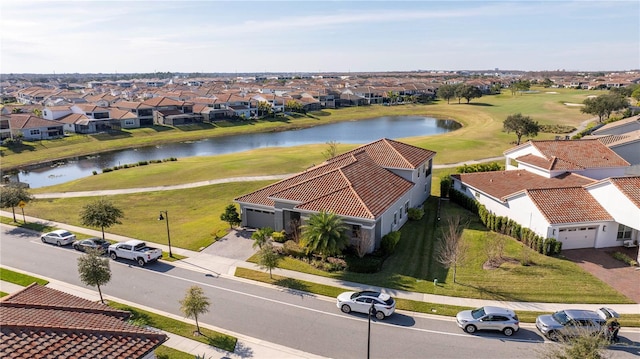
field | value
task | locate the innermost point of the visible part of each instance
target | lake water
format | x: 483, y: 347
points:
x: 353, y: 132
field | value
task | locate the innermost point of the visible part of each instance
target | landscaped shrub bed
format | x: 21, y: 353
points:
x: 139, y: 163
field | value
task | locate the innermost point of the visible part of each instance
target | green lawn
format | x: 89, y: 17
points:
x: 413, y: 268
x: 164, y: 352
x: 210, y: 337
x: 24, y: 280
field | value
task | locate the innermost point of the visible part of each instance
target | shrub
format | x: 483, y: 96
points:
x: 389, y: 242
x: 366, y: 264
x: 332, y: 264
x: 105, y: 170
x: 625, y: 258
x: 279, y: 237
x: 415, y: 214
x: 94, y: 172
x: 445, y: 186
x: 292, y: 248
x: 143, y: 163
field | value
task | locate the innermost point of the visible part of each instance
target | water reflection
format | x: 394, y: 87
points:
x: 353, y: 132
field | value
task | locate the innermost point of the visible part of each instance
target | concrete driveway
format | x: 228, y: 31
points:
x: 237, y: 244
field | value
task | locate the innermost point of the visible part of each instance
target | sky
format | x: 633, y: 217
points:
x: 317, y: 36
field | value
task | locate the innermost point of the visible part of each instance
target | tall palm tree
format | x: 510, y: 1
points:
x: 324, y: 234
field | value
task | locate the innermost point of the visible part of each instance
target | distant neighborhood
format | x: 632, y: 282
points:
x: 50, y: 106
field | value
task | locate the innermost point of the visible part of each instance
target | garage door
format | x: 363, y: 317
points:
x: 259, y: 219
x: 578, y: 237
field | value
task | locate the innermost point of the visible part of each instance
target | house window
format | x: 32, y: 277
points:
x: 477, y: 194
x: 400, y: 212
x: 419, y: 170
x: 406, y: 206
x: 463, y: 187
x: 427, y: 170
x: 34, y: 132
x: 128, y: 122
x: 425, y: 188
x: 624, y: 232
x: 395, y: 218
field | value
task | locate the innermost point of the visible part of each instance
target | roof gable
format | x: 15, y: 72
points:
x: 579, y: 154
x: 392, y: 154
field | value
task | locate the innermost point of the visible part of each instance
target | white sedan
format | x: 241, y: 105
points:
x: 361, y: 302
x: 60, y: 237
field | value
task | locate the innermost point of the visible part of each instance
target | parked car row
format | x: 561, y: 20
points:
x: 134, y: 250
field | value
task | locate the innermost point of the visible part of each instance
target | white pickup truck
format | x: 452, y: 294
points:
x: 134, y: 250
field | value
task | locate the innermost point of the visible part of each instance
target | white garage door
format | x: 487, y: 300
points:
x: 578, y: 237
x: 259, y: 219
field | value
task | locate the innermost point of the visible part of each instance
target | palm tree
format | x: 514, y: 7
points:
x: 325, y: 234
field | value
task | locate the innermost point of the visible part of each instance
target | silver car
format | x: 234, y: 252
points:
x: 489, y: 318
x: 60, y: 237
x: 571, y: 323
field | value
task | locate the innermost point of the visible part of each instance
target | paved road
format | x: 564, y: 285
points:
x: 304, y: 322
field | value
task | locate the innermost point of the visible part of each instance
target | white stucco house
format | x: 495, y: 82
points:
x: 573, y: 191
x: 371, y: 187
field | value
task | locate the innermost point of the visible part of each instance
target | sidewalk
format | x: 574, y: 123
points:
x: 245, y: 347
x: 221, y: 266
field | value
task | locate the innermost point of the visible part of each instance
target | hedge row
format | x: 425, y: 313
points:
x: 139, y: 163
x: 507, y: 226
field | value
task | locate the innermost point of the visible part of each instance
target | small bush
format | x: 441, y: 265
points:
x: 105, y: 170
x: 143, y: 163
x: 416, y: 214
x: 366, y: 264
x: 94, y: 172
x: 625, y: 258
x: 279, y: 237
x: 389, y: 242
x: 292, y: 248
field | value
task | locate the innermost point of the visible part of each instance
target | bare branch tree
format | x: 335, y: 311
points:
x: 494, y: 248
x: 294, y: 230
x: 331, y: 151
x: 363, y: 242
x: 452, y: 250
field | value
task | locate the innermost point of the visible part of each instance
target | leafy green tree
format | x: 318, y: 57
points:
x: 324, y: 233
x: 547, y: 83
x: 636, y: 94
x: 521, y: 125
x: 94, y: 270
x: 393, y: 97
x: 194, y: 304
x: 101, y: 213
x: 447, y: 92
x: 11, y: 195
x: 603, y: 105
x: 261, y: 237
x: 293, y: 106
x: 268, y: 258
x: 520, y: 86
x: 468, y: 92
x: 264, y: 108
x: 231, y: 216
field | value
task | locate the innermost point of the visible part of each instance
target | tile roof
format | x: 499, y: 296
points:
x: 568, y: 205
x: 40, y: 322
x: 502, y: 184
x: 353, y: 184
x: 393, y: 154
x: 572, y: 155
x: 629, y: 186
x: 162, y: 101
x: 617, y: 140
x: 20, y: 121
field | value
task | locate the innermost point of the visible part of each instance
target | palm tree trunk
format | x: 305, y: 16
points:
x: 197, y: 325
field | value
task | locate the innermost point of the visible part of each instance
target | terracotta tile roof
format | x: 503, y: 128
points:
x: 162, y: 101
x: 393, y: 154
x: 40, y: 322
x: 502, y: 184
x: 572, y: 155
x: 131, y: 105
x: 568, y: 205
x: 616, y: 140
x: 20, y: 121
x: 73, y: 118
x: 119, y: 114
x: 353, y: 184
x: 629, y: 186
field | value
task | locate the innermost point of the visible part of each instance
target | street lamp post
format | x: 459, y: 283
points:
x: 166, y: 218
x: 372, y: 310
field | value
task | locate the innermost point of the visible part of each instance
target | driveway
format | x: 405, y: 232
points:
x: 237, y: 244
x: 602, y: 265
